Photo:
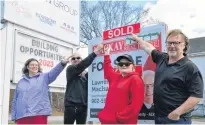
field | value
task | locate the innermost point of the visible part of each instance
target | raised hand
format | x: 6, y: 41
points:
x: 107, y: 49
x: 98, y: 48
x: 135, y: 38
x: 67, y: 60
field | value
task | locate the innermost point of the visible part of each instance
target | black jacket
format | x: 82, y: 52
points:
x: 77, y: 86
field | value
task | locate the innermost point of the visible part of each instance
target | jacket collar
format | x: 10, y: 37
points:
x: 130, y: 74
x: 26, y: 76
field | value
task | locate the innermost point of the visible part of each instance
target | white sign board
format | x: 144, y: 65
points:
x: 49, y: 54
x: 98, y: 86
x: 56, y: 18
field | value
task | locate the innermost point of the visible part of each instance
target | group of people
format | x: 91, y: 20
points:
x: 178, y: 87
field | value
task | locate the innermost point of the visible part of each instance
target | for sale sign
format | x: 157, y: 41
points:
x: 121, y: 44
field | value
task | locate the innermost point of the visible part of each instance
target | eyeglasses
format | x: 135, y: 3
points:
x: 175, y: 43
x: 33, y: 65
x: 121, y: 64
x: 74, y: 58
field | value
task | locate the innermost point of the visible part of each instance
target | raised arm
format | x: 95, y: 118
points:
x: 147, y: 47
x: 109, y: 73
x: 55, y: 72
x: 81, y: 66
x: 76, y: 69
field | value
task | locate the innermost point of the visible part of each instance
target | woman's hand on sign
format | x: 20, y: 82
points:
x: 98, y: 48
x: 107, y: 49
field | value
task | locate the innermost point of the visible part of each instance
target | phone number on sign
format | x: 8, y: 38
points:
x: 98, y: 100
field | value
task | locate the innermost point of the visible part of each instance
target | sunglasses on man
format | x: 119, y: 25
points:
x: 74, y: 58
x: 121, y: 64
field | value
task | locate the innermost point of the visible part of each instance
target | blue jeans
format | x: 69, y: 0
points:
x: 166, y: 120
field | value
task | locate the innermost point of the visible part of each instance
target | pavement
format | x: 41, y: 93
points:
x: 198, y: 121
x: 59, y: 120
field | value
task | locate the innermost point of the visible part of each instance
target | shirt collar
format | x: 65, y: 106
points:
x: 179, y: 62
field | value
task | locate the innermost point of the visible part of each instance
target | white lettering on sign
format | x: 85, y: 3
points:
x: 120, y: 32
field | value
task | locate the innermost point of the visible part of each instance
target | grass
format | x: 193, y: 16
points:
x: 56, y: 113
x: 198, y: 117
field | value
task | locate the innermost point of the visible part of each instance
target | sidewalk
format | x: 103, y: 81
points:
x: 59, y: 120
x: 55, y: 119
x: 198, y: 121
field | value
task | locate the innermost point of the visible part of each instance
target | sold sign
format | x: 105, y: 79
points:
x: 121, y: 31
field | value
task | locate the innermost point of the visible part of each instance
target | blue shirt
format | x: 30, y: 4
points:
x: 31, y: 95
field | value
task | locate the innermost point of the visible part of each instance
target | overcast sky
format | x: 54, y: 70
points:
x: 184, y: 14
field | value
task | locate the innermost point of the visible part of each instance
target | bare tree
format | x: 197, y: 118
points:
x: 103, y: 15
x: 150, y: 21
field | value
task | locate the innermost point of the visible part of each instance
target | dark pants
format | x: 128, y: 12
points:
x: 166, y: 120
x: 72, y: 113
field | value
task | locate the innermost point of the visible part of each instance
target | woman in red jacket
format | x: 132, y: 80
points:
x: 126, y: 91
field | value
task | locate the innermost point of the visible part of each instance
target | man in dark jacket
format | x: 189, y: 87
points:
x: 77, y: 88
